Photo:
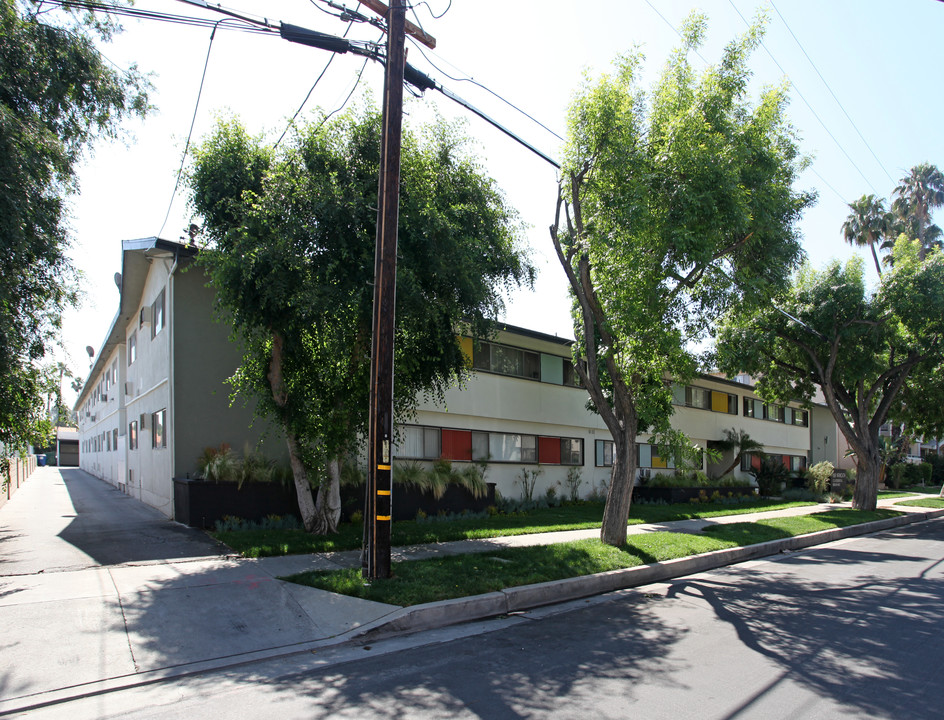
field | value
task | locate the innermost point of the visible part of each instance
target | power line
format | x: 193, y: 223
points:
x: 193, y: 121
x: 486, y: 89
x: 336, y: 110
x: 312, y: 88
x: 435, y: 16
x: 137, y: 14
x: 851, y: 122
x: 674, y: 29
x: 807, y: 103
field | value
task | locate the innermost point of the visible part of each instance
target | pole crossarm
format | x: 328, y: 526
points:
x: 411, y: 29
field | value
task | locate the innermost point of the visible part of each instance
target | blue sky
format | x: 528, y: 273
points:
x: 866, y: 103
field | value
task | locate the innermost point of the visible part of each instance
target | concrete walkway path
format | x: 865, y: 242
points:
x: 97, y: 588
x: 99, y: 591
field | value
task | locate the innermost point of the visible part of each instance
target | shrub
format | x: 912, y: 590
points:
x: 804, y: 494
x: 573, y: 482
x: 817, y: 477
x: 770, y: 476
x: 527, y: 479
x: 896, y: 475
x: 937, y: 468
x: 926, y: 472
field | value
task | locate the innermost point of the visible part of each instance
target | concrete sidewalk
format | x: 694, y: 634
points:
x: 89, y: 607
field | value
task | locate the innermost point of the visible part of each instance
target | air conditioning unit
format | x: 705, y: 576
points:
x: 145, y: 316
x: 144, y: 420
x: 129, y: 388
x: 93, y: 418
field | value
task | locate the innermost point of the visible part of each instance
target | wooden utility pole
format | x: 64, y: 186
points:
x: 379, y: 502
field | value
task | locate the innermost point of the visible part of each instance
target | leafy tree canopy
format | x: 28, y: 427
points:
x: 871, y: 354
x: 679, y: 203
x: 292, y: 262
x: 57, y: 96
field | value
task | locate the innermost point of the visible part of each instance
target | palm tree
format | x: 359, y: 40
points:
x: 921, y: 192
x: 740, y: 442
x: 867, y: 225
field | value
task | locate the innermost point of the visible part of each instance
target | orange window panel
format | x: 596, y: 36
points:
x: 457, y: 444
x: 549, y: 450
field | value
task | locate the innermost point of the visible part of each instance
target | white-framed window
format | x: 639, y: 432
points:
x: 133, y: 435
x: 132, y: 347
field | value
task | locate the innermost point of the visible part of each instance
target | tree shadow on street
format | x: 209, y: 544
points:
x: 867, y: 642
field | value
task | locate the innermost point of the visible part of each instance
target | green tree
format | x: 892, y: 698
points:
x: 868, y: 225
x: 861, y: 349
x: 291, y: 260
x: 918, y: 194
x: 57, y: 96
x: 677, y: 203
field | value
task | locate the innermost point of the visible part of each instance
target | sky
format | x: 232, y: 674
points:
x: 866, y: 102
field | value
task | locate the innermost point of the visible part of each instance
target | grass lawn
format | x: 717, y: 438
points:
x: 265, y: 543
x: 928, y: 502
x: 421, y: 581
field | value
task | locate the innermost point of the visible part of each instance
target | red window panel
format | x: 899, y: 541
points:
x: 549, y: 451
x: 457, y: 444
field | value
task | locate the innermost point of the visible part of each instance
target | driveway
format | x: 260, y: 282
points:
x: 65, y: 519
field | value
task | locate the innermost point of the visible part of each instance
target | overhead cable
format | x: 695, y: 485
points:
x: 193, y: 120
x: 851, y: 122
x: 808, y: 105
x: 486, y: 89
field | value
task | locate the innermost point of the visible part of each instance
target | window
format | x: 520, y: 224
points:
x: 421, y: 443
x: 704, y: 399
x: 108, y: 442
x: 794, y: 463
x: 157, y: 314
x: 570, y: 374
x: 432, y: 443
x: 571, y: 451
x: 647, y: 455
x: 512, y: 447
x: 480, y: 446
x: 132, y: 347
x: 776, y: 413
x: 505, y: 360
x: 114, y: 439
x: 159, y: 432
x: 604, y: 453
x: 133, y: 435
x: 114, y: 373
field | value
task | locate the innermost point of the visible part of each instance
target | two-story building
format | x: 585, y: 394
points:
x: 157, y: 396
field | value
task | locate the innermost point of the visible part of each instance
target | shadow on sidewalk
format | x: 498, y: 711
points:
x: 113, y: 528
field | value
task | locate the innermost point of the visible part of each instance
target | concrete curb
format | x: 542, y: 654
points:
x: 440, y: 614
x: 525, y: 597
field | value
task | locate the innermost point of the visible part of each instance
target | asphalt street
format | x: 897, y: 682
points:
x: 845, y: 630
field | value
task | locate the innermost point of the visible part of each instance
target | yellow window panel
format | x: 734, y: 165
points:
x: 658, y: 462
x: 465, y: 344
x: 719, y: 401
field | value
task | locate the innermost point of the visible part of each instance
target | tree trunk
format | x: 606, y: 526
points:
x: 306, y: 505
x: 328, y: 505
x: 868, y: 470
x: 619, y: 497
x: 878, y: 265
